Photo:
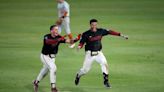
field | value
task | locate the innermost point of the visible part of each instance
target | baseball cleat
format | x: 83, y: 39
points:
x: 77, y: 79
x: 72, y: 46
x: 35, y: 85
x: 107, y: 84
x: 54, y: 89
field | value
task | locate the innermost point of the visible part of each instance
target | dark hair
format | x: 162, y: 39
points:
x: 51, y: 27
x: 93, y: 20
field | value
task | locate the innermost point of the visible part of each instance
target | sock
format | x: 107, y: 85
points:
x: 36, y: 81
x: 80, y: 73
x: 53, y: 85
x: 105, y: 77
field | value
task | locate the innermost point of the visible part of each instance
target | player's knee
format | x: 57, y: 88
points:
x: 104, y: 68
x: 54, y: 69
x: 104, y: 65
x: 86, y: 70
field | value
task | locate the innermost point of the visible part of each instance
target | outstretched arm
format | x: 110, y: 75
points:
x: 74, y: 40
x: 82, y: 42
x: 112, y: 32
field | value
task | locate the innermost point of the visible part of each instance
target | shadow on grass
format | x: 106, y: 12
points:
x: 71, y: 89
x: 30, y: 88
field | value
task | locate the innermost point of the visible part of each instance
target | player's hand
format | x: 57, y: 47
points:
x: 124, y: 36
x: 76, y: 39
x: 61, y: 18
x: 71, y: 41
x: 59, y: 21
x: 78, y: 48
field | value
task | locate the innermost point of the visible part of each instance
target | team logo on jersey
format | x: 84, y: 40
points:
x: 95, y: 38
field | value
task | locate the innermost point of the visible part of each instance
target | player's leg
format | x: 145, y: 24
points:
x: 44, y: 70
x: 100, y: 58
x: 66, y: 24
x: 52, y: 68
x: 42, y: 74
x: 50, y: 62
x: 60, y: 28
x: 86, y: 67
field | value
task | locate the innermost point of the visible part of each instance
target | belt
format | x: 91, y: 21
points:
x: 50, y: 55
x: 93, y: 53
x: 64, y: 17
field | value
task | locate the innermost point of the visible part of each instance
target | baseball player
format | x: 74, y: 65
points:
x: 92, y: 40
x: 64, y: 19
x: 49, y: 51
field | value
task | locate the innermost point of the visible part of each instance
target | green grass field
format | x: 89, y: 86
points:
x: 136, y: 65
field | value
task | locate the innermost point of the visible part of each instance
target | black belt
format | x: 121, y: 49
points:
x: 51, y: 55
x: 94, y: 53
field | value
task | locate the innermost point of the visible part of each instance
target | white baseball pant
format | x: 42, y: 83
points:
x: 100, y: 58
x: 66, y: 25
x: 48, y: 65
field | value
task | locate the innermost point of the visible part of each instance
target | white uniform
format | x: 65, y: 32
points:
x: 48, y: 55
x: 62, y: 7
x: 100, y: 58
x: 48, y: 65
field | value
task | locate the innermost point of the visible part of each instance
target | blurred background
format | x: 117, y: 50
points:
x: 136, y: 65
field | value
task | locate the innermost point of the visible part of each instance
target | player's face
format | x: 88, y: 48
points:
x: 54, y: 31
x: 93, y: 26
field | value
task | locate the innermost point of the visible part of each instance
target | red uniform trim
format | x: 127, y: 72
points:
x: 114, y: 33
x: 50, y: 41
x: 96, y: 38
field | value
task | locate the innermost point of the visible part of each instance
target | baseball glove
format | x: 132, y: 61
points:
x: 59, y: 22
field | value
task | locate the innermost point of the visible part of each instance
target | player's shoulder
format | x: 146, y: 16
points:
x: 47, y: 35
x: 101, y: 29
x: 87, y: 32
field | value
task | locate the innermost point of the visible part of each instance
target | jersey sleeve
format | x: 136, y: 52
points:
x: 104, y: 32
x: 61, y: 39
x: 83, y: 38
x: 45, y: 38
x: 112, y: 32
x: 82, y: 41
x: 49, y: 41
